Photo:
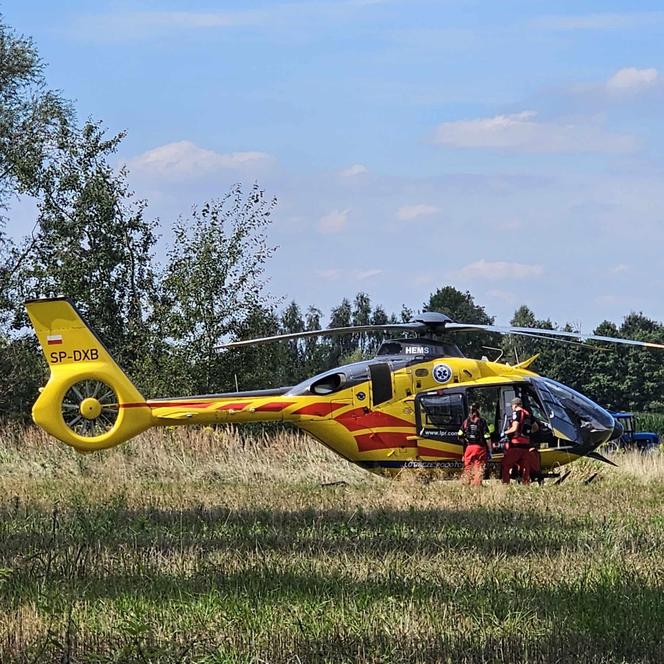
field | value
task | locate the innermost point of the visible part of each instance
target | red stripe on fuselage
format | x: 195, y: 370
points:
x: 273, y: 406
x: 357, y: 419
x: 443, y: 454
x: 234, y: 406
x: 367, y: 442
x: 167, y: 404
x: 320, y: 409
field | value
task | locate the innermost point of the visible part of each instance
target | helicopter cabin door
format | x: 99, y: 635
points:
x: 439, y: 416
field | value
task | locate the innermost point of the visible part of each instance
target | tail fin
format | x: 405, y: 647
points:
x: 88, y: 402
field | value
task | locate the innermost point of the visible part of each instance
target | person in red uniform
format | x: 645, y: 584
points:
x: 475, y: 434
x: 520, y: 452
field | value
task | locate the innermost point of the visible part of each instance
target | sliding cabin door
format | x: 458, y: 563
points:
x: 439, y: 416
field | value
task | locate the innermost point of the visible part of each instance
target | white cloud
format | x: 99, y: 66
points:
x: 521, y: 132
x: 334, y: 222
x: 495, y: 270
x: 621, y: 268
x: 355, y: 169
x: 410, y: 212
x: 631, y: 79
x: 185, y: 159
x: 367, y: 274
x: 332, y: 274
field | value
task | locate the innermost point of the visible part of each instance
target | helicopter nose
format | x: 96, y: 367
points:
x: 595, y: 425
x: 618, y: 430
x: 604, y: 427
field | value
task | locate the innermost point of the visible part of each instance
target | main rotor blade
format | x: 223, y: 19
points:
x: 551, y: 334
x: 560, y: 341
x: 331, y: 331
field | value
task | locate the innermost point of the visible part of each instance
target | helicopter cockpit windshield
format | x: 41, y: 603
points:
x: 586, y: 417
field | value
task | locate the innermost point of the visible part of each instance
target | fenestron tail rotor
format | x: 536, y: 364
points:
x: 90, y: 408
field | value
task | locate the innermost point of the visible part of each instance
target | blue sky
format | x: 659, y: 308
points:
x: 510, y: 148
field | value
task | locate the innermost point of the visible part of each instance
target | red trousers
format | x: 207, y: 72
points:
x: 474, y: 462
x: 525, y: 461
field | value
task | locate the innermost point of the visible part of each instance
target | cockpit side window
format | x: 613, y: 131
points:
x: 533, y: 405
x: 443, y: 410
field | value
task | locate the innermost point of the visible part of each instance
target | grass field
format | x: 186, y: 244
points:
x: 208, y: 547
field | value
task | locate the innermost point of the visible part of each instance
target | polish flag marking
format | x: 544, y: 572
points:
x: 54, y: 339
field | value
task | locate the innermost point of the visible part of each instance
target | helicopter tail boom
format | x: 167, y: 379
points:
x: 88, y: 402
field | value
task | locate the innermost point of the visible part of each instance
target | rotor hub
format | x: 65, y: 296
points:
x: 90, y: 408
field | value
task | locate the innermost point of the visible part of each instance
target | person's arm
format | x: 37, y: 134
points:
x: 486, y: 436
x: 513, y: 428
x: 462, y: 430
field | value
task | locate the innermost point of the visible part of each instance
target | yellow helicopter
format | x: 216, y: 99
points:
x: 402, y: 409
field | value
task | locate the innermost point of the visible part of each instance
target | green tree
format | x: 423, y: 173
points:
x: 32, y: 117
x: 375, y: 339
x: 361, y: 315
x: 23, y: 373
x: 461, y: 307
x: 567, y: 361
x: 259, y: 366
x: 214, y: 280
x: 406, y: 314
x: 605, y: 384
x: 88, y: 241
x: 340, y: 346
x: 518, y: 348
x: 643, y: 379
x: 291, y: 321
x: 93, y: 243
x: 315, y: 348
x: 32, y: 121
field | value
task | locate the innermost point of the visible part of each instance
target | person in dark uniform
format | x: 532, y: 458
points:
x: 475, y: 435
x: 519, y: 452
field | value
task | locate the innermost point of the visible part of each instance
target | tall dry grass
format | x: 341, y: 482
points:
x: 219, y: 546
x: 230, y: 454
